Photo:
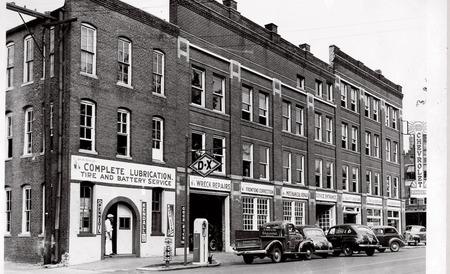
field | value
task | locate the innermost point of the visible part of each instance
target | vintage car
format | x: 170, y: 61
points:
x: 349, y: 238
x: 415, y: 234
x: 314, y: 241
x: 388, y: 237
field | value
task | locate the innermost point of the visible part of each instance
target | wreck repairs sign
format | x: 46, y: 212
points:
x: 124, y: 173
x: 210, y: 183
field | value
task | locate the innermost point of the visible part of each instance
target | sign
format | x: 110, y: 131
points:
x: 167, y: 251
x: 326, y: 196
x: 257, y: 189
x: 351, y: 198
x: 99, y: 216
x: 170, y: 221
x: 183, y: 224
x: 144, y: 222
x: 394, y: 203
x: 210, y: 183
x: 205, y: 164
x: 295, y: 193
x: 418, y: 188
x: 117, y: 172
x: 374, y: 201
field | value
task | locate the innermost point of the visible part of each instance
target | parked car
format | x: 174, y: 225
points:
x: 349, y: 238
x: 388, y: 237
x: 415, y: 234
x: 314, y: 241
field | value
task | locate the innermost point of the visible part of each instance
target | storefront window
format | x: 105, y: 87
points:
x: 255, y: 212
x: 373, y: 217
x: 156, y: 212
x: 85, y: 208
x: 394, y: 219
x: 293, y: 211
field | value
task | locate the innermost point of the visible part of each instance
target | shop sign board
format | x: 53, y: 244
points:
x: 374, y: 201
x: 351, y: 198
x: 212, y: 184
x: 295, y: 193
x: 144, y: 222
x: 170, y: 220
x: 394, y: 203
x: 326, y: 196
x: 99, y: 216
x: 183, y: 224
x: 419, y: 186
x: 205, y: 164
x: 257, y: 189
x: 124, y: 173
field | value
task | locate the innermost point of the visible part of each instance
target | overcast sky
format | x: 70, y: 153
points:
x: 383, y: 34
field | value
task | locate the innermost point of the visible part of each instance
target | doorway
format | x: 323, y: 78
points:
x: 325, y: 216
x: 123, y: 229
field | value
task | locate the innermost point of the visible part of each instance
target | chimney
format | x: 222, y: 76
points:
x: 230, y: 3
x: 272, y: 27
x: 305, y: 47
x: 378, y: 71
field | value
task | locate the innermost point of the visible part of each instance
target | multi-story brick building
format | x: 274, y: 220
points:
x: 126, y: 98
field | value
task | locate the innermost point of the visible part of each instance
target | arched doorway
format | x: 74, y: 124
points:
x: 126, y: 227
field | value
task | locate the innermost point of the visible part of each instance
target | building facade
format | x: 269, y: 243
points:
x: 107, y: 104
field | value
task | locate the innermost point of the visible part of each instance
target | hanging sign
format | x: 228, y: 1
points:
x: 170, y: 220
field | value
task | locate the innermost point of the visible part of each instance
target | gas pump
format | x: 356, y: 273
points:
x: 200, y: 241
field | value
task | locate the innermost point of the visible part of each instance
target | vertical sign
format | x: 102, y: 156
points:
x: 144, y: 223
x: 419, y: 189
x: 99, y: 216
x: 170, y: 220
x: 183, y: 226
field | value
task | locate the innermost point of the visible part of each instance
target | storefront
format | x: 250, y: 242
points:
x: 394, y: 213
x: 140, y: 197
x: 374, y: 211
x: 351, y: 208
x: 326, y: 209
x: 294, y: 205
x: 257, y: 202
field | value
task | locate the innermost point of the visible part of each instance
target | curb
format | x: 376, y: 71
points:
x: 177, y: 266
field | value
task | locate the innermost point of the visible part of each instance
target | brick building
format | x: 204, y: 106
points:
x: 101, y: 126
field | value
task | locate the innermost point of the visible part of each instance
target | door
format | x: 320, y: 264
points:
x: 334, y: 237
x: 124, y: 230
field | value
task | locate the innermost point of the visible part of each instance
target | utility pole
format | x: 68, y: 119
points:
x: 186, y: 199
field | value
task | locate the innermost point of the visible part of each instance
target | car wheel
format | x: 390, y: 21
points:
x: 248, y: 259
x: 336, y: 253
x: 348, y: 250
x: 308, y: 253
x: 276, y: 255
x: 395, y: 246
x: 381, y: 250
x: 415, y: 242
x: 370, y: 251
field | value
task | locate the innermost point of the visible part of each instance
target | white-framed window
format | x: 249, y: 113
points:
x: 264, y: 163
x: 255, y: 212
x: 395, y: 153
x: 300, y: 82
x: 355, y: 179
x: 318, y: 172
x: 88, y: 49
x: 319, y: 88
x: 10, y: 65
x: 366, y: 105
x: 294, y: 212
x: 354, y: 138
x: 287, y: 167
x: 388, y: 150
x: 344, y: 94
x: 329, y: 130
x: 317, y: 127
x: 368, y: 143
x: 330, y: 175
x: 387, y: 118
x: 299, y: 121
x: 8, y: 200
x: 198, y: 87
x: 158, y: 72
x: 247, y: 105
x: 247, y: 160
x: 388, y: 186
x: 218, y: 86
x: 28, y: 59
x: 87, y: 125
x: 376, y: 105
x: 263, y: 108
x: 393, y: 218
x: 28, y: 133
x: 9, y: 135
x: 395, y: 188
x: 158, y: 139
x: 26, y: 209
x: 219, y: 153
x: 286, y: 109
x: 369, y: 182
x: 330, y: 95
x: 376, y: 146
x: 374, y: 217
x: 52, y: 51
x: 394, y: 118
x: 353, y: 99
x: 299, y: 169
x: 344, y: 133
x: 44, y: 51
x: 345, y: 178
x: 86, y: 207
x: 124, y: 61
x: 197, y: 145
x: 376, y: 184
x: 123, y: 132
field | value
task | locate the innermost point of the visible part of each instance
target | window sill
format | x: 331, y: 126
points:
x: 157, y: 234
x: 124, y: 157
x: 81, y: 235
x: 24, y: 235
x: 27, y: 84
x: 124, y: 85
x: 26, y: 156
x: 158, y: 161
x: 42, y: 235
x: 219, y: 111
x: 10, y: 88
x: 159, y: 95
x: 93, y: 152
x: 88, y: 75
x: 6, y: 234
x: 197, y: 105
x: 8, y: 159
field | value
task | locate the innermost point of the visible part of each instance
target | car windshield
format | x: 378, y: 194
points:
x: 415, y: 229
x: 313, y: 232
x: 364, y: 230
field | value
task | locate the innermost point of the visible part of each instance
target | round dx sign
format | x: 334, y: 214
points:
x: 205, y: 165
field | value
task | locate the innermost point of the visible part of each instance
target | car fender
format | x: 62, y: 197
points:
x: 306, y: 243
x: 397, y: 240
x: 273, y: 243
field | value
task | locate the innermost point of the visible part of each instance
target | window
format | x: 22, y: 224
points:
x: 395, y: 154
x: 376, y: 146
x: 157, y: 139
x: 344, y: 133
x: 218, y: 93
x: 318, y: 127
x: 330, y: 95
x: 197, y: 145
x: 123, y: 132
x: 299, y: 128
x: 124, y: 223
x: 198, y: 87
x: 9, y: 135
x: 158, y: 72
x: 395, y: 188
x: 374, y: 217
x: 394, y: 219
x: 387, y: 118
x: 294, y: 212
x: 376, y: 104
x: 355, y: 179
x: 394, y: 119
x: 300, y: 82
x: 329, y: 166
x: 219, y: 153
x: 369, y: 182
x: 247, y: 160
x: 87, y: 126
x: 376, y: 184
x: 318, y: 88
x: 263, y: 109
x: 26, y: 209
x: 8, y: 207
x: 329, y: 129
x: 247, y: 103
x: 44, y: 52
x: 52, y: 51
x: 28, y: 136
x: 345, y: 178
x: 286, y: 108
x: 28, y: 58
x: 10, y: 65
x: 264, y: 163
x: 368, y: 143
x: 353, y: 99
x: 255, y: 212
x: 88, y: 49
x: 354, y: 138
x: 366, y: 105
x: 344, y: 94
x: 85, y: 208
x: 388, y: 186
x: 388, y: 150
x: 300, y: 169
x: 286, y: 167
x: 318, y: 172
x: 156, y: 211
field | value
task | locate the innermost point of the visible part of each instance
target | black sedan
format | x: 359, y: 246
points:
x: 315, y: 241
x: 389, y: 238
x: 349, y: 238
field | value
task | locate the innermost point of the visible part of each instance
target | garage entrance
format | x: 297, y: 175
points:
x: 325, y: 215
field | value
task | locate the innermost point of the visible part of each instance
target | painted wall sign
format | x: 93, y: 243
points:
x: 210, y: 183
x: 295, y: 193
x: 99, y: 216
x: 257, y: 189
x: 170, y: 220
x: 374, y: 201
x: 326, y: 196
x: 394, y: 203
x: 351, y: 198
x: 117, y: 172
x: 144, y: 222
x: 419, y: 186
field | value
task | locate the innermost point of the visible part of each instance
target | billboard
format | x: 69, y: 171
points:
x: 419, y: 186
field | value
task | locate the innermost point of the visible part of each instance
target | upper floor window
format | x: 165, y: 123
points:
x: 8, y: 195
x: 366, y: 105
x: 369, y: 182
x: 394, y: 119
x: 395, y: 188
x: 300, y: 82
x: 219, y: 153
x: 330, y: 175
x: 286, y: 109
x: 388, y: 186
x: 28, y: 134
x: 198, y: 87
x: 376, y: 184
x: 124, y: 61
x: 264, y: 163
x: 345, y: 178
x: 9, y: 135
x: 344, y: 133
x: 263, y: 109
x: 344, y: 94
x: 299, y: 121
x: 158, y: 72
x: 353, y: 99
x: 10, y: 65
x: 388, y: 150
x: 368, y: 143
x: 123, y: 133
x: 376, y: 146
x: 247, y: 98
x: 85, y: 208
x: 395, y: 153
x: 28, y: 58
x: 318, y: 172
x: 354, y: 138
x: 247, y: 160
x: 197, y: 145
x: 376, y: 105
x: 387, y: 119
x: 355, y: 179
x: 87, y: 125
x: 218, y: 93
x: 319, y: 88
x: 157, y: 139
x: 88, y: 49
x: 52, y: 51
x: 318, y: 127
x: 330, y: 95
x: 26, y: 209
x: 300, y: 169
x: 329, y: 129
x: 286, y: 167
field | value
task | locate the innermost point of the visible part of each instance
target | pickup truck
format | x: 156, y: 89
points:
x: 277, y: 240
